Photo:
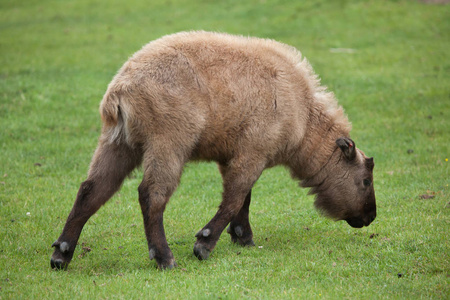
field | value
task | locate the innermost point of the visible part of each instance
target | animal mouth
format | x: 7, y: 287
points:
x: 358, y: 222
x: 355, y: 222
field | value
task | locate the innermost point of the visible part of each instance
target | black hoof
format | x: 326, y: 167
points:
x: 167, y: 266
x: 166, y: 263
x: 61, y: 256
x: 250, y: 243
x: 245, y: 243
x: 201, y: 252
x: 58, y: 264
x: 237, y: 236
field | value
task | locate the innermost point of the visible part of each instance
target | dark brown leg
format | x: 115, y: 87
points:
x: 238, y: 181
x: 239, y: 229
x: 161, y: 178
x: 109, y: 167
x: 153, y: 205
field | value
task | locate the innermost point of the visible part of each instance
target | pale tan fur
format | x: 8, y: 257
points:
x: 246, y: 103
x: 218, y: 95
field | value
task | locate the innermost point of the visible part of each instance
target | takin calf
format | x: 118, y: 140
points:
x: 247, y: 104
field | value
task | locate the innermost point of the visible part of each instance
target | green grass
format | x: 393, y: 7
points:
x: 57, y: 58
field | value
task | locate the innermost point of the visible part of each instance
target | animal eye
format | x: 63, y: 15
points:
x: 367, y: 182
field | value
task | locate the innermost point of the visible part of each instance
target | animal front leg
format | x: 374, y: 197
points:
x: 238, y: 181
x: 208, y: 236
x: 239, y: 229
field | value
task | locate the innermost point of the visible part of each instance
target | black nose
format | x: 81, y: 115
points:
x: 358, y: 222
x: 369, y: 219
x: 355, y: 222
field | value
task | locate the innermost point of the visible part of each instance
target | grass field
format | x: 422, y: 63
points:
x: 388, y: 63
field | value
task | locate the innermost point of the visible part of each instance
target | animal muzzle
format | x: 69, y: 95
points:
x: 359, y: 222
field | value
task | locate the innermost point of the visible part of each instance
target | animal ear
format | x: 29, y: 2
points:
x: 347, y: 146
x: 370, y: 164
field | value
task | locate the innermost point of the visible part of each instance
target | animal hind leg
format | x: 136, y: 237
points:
x: 110, y: 165
x: 161, y: 177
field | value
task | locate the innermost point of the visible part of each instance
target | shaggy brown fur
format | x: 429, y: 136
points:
x: 246, y: 103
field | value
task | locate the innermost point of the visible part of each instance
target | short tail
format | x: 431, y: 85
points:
x: 110, y: 109
x: 114, y: 117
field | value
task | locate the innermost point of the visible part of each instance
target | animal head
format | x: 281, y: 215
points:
x: 345, y: 191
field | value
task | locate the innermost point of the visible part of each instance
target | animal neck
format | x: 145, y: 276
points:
x: 319, y: 143
x: 315, y: 154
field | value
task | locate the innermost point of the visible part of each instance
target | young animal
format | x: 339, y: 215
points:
x: 247, y: 104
